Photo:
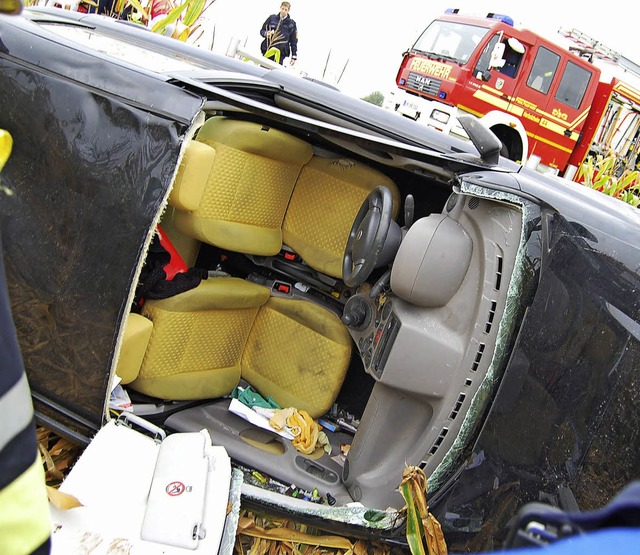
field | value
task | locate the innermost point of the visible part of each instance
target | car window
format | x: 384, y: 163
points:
x: 543, y: 70
x: 485, y: 57
x: 513, y: 54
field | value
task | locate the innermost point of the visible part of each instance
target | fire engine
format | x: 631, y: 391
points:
x: 550, y: 104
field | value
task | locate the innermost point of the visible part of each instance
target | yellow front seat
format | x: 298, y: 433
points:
x: 198, y: 338
x: 325, y: 201
x: 232, y: 191
x: 298, y: 353
x: 235, y: 183
x: 203, y: 340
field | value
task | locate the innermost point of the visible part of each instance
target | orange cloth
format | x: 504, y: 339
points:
x: 306, y: 431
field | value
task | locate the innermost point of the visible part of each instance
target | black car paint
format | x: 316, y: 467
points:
x: 81, y: 212
x: 568, y: 398
x: 89, y: 173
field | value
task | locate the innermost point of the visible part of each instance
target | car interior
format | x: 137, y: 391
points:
x: 359, y: 289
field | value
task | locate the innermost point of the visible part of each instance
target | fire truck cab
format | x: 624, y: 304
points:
x: 533, y: 94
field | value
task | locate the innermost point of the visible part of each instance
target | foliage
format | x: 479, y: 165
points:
x: 58, y: 455
x: 424, y: 533
x: 600, y: 173
x: 376, y: 97
x: 264, y: 534
x: 174, y: 18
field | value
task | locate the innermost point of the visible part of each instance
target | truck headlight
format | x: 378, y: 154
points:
x: 440, y: 116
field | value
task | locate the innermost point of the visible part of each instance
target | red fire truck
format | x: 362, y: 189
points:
x: 550, y: 105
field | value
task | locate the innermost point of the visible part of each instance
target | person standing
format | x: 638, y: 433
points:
x: 280, y: 36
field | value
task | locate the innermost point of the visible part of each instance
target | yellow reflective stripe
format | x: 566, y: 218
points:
x: 579, y: 119
x: 559, y: 129
x: 491, y: 99
x: 469, y: 110
x: 550, y: 143
x: 24, y: 512
x: 517, y: 110
x: 508, y: 104
x: 570, y: 125
x: 628, y: 91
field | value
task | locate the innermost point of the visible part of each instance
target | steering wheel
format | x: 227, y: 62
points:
x: 367, y: 236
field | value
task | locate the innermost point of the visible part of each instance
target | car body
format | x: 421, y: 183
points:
x: 494, y: 344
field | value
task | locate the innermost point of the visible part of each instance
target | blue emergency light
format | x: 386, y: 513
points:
x: 504, y: 18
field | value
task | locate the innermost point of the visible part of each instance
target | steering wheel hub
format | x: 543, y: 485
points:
x: 368, y: 246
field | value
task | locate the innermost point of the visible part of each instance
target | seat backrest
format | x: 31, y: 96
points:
x: 324, y: 204
x: 298, y: 353
x: 234, y: 185
x: 198, y: 339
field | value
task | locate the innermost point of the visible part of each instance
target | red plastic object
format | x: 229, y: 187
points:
x: 176, y: 264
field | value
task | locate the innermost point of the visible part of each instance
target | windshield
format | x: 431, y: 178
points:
x: 449, y: 40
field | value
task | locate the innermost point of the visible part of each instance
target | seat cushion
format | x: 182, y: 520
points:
x: 298, y: 353
x: 198, y: 338
x: 325, y: 201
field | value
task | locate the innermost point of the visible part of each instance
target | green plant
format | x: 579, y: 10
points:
x: 182, y: 17
x: 178, y: 19
x: 376, y: 97
x: 599, y: 173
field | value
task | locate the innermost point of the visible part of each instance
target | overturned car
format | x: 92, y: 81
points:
x: 421, y: 300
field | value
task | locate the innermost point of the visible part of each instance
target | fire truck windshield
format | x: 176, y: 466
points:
x: 449, y: 41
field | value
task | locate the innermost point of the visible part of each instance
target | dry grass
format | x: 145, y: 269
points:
x: 58, y: 455
x: 264, y: 535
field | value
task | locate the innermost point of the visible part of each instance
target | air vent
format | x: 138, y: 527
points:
x: 474, y: 202
x: 478, y: 358
x: 499, y: 274
x: 492, y: 315
x: 439, y: 441
x: 458, y: 406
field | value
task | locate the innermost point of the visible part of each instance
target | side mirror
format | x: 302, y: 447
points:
x: 12, y: 7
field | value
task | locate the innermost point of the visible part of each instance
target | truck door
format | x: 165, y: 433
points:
x: 491, y: 88
x: 553, y: 97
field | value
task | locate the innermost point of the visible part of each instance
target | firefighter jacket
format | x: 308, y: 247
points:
x: 284, y: 37
x: 24, y: 508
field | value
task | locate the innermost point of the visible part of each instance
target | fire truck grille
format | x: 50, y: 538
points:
x: 425, y: 85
